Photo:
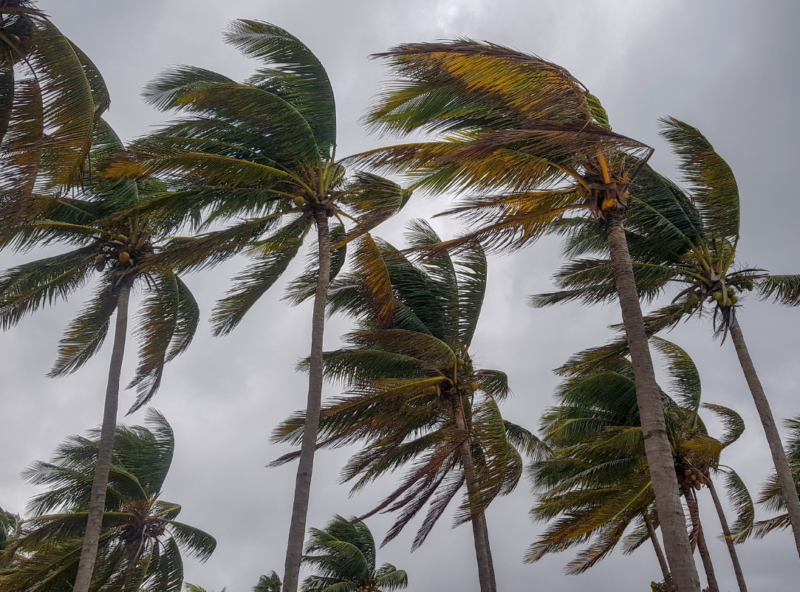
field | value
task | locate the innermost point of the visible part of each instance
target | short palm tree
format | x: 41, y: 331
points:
x: 771, y: 495
x: 694, y: 248
x: 262, y: 153
x: 533, y: 147
x: 101, y: 238
x: 141, y: 543
x: 343, y: 557
x: 51, y: 95
x: 597, y: 483
x: 413, y: 393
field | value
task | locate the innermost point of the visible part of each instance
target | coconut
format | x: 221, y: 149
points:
x: 731, y: 292
x: 122, y: 238
x: 474, y: 386
x: 687, y: 472
x: 694, y: 299
x: 697, y: 486
x: 693, y: 477
x: 748, y: 284
x: 718, y: 296
x: 124, y: 257
x: 734, y: 299
x: 298, y: 201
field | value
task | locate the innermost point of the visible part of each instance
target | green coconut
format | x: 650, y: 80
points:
x: 718, y: 296
x: 124, y: 257
x: 298, y: 201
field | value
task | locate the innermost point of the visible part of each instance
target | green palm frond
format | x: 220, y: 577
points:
x: 86, y: 333
x: 167, y: 323
x: 711, y: 179
x: 682, y: 372
x: 783, y: 289
x: 732, y: 422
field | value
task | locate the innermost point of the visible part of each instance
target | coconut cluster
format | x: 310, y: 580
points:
x: 125, y: 251
x: 692, y: 477
x: 722, y: 293
x: 368, y: 588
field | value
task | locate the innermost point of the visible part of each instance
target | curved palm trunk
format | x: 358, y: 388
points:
x: 657, y: 447
x: 662, y: 561
x: 97, y: 504
x: 302, y: 488
x: 737, y: 568
x: 691, y: 501
x: 479, y: 530
x: 788, y: 487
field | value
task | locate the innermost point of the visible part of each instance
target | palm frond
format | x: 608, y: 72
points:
x: 783, y: 289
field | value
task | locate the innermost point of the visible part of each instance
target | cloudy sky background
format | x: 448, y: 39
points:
x: 730, y: 68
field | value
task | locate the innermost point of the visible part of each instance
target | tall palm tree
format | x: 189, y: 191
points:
x: 262, y: 153
x: 771, y: 496
x: 597, y: 482
x: 51, y: 96
x: 413, y: 393
x: 343, y: 557
x: 700, y: 259
x: 142, y: 541
x: 533, y: 146
x: 101, y: 237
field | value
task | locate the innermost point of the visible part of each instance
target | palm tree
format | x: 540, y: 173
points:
x: 533, y: 146
x: 103, y: 237
x: 699, y: 256
x: 51, y: 96
x: 262, y: 151
x: 269, y: 583
x: 597, y: 482
x: 771, y: 496
x: 343, y: 557
x: 141, y: 543
x: 413, y: 392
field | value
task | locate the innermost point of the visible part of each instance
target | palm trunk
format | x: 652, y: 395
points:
x: 657, y: 447
x: 737, y: 568
x: 302, y: 488
x: 489, y: 550
x: 478, y: 519
x: 94, y: 524
x: 788, y: 487
x: 662, y: 561
x: 691, y: 501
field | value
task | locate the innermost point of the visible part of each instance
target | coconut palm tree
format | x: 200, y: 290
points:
x: 699, y: 258
x: 530, y: 146
x: 142, y: 542
x: 771, y: 495
x: 413, y: 392
x: 100, y: 236
x: 597, y: 483
x: 262, y: 153
x: 51, y: 96
x: 343, y: 557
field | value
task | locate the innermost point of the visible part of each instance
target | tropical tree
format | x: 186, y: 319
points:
x: 413, y: 392
x: 771, y: 495
x: 51, y: 96
x: 596, y: 483
x: 141, y: 543
x: 343, y: 557
x: 262, y: 153
x: 100, y: 236
x: 268, y: 583
x: 693, y: 248
x: 530, y: 146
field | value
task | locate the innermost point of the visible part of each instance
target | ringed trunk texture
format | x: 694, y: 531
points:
x: 479, y: 530
x: 737, y: 568
x: 662, y: 561
x: 302, y: 488
x: 691, y: 501
x: 97, y: 504
x: 657, y: 446
x: 788, y: 487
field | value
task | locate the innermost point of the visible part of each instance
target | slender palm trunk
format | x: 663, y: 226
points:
x: 489, y: 550
x: 788, y: 487
x: 662, y: 561
x: 479, y: 530
x: 94, y: 524
x: 302, y: 488
x: 691, y: 501
x: 657, y: 447
x: 737, y: 568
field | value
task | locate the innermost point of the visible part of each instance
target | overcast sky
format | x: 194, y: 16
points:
x: 729, y: 68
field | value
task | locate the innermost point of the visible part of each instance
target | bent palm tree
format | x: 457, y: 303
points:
x: 51, y: 96
x: 597, y: 482
x: 141, y: 544
x: 343, y: 557
x: 262, y: 151
x: 413, y: 392
x: 699, y: 256
x: 105, y: 238
x: 526, y: 129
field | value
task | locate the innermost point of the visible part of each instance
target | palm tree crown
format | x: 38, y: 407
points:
x: 141, y: 543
